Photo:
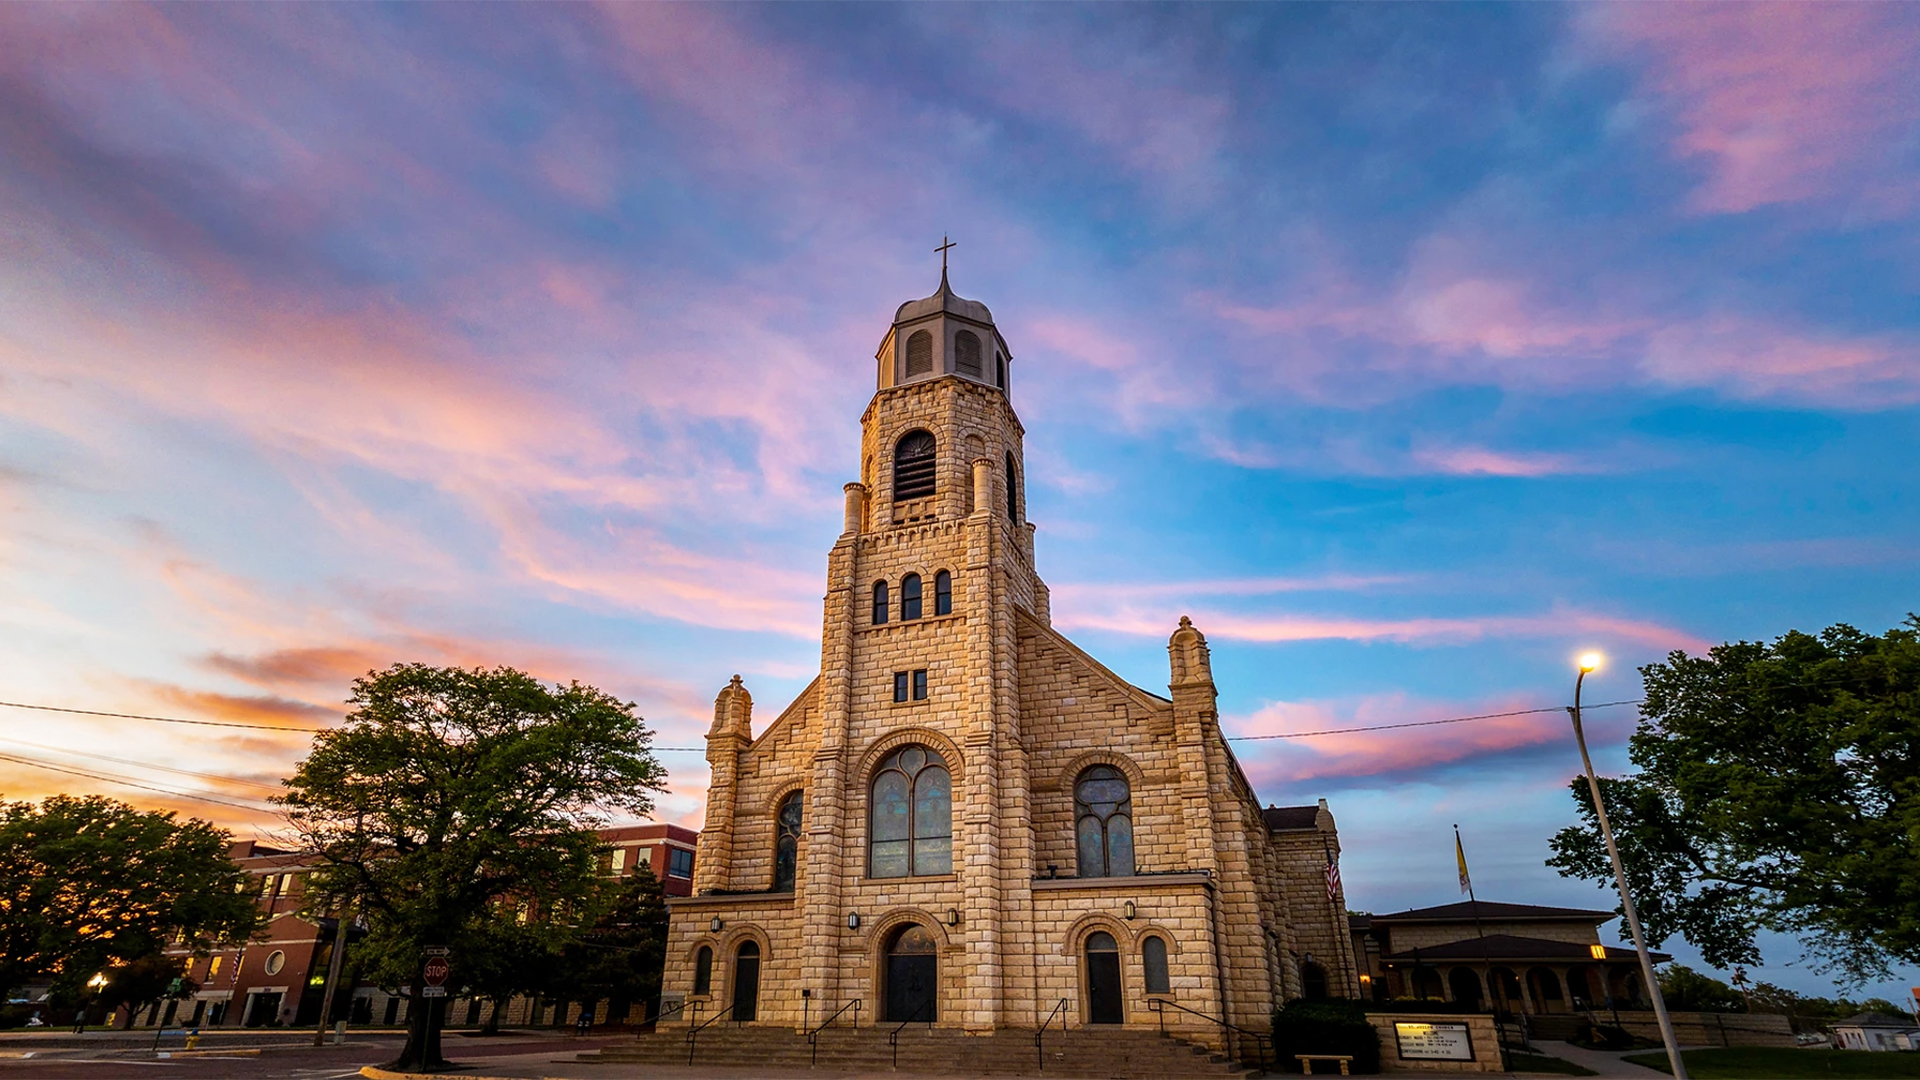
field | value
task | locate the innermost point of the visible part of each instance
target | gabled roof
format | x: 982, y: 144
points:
x: 1284, y: 818
x: 1467, y: 910
x: 1512, y: 947
x: 1878, y: 1020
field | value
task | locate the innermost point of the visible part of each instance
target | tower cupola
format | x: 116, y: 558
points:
x: 943, y: 334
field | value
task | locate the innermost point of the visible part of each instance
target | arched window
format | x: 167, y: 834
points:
x: 966, y: 353
x: 786, y: 846
x: 1153, y: 957
x: 1103, y: 808
x: 703, y: 971
x: 919, y: 353
x: 880, y: 603
x: 910, y: 597
x: 913, y: 465
x: 1013, y: 492
x: 1313, y: 981
x: 1000, y: 371
x: 943, y: 593
x: 911, y: 816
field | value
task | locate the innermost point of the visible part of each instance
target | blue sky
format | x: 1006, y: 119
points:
x: 1410, y: 349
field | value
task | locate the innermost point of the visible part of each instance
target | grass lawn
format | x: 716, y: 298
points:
x: 1522, y: 1062
x: 1786, y: 1063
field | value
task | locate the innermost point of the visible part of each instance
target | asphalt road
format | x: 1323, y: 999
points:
x: 108, y: 1056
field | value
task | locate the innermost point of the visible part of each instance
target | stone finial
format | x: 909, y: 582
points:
x: 732, y: 711
x: 1187, y: 653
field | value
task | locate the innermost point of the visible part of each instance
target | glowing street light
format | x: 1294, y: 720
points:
x: 1590, y: 662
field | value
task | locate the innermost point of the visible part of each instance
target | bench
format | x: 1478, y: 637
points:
x: 1307, y: 1060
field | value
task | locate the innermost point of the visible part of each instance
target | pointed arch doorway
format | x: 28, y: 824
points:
x: 913, y: 975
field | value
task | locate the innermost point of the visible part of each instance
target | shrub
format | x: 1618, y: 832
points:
x: 1336, y: 1026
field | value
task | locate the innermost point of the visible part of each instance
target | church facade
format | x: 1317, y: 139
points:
x: 965, y: 819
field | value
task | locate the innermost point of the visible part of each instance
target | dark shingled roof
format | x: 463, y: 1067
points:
x: 1282, y: 818
x: 1465, y: 910
x: 1360, y: 922
x: 1876, y: 1019
x: 1511, y: 947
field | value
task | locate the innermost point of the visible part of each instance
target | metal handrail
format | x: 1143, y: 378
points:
x: 813, y: 1036
x: 1039, y: 1050
x: 893, y: 1040
x: 661, y: 1017
x: 1156, y: 1005
x: 694, y: 1033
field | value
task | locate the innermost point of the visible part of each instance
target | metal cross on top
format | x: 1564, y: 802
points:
x: 942, y: 249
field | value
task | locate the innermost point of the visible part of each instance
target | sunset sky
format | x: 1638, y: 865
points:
x: 1411, y: 350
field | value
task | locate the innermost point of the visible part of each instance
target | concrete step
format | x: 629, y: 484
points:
x: 1081, y: 1052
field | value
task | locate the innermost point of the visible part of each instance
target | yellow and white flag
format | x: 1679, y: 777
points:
x: 1460, y: 853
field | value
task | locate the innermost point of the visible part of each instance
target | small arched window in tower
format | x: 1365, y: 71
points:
x: 913, y: 458
x: 1103, y: 809
x: 880, y: 603
x: 911, y: 816
x: 786, y: 847
x: 703, y: 971
x: 943, y: 593
x: 919, y: 353
x: 1013, y: 492
x: 910, y: 597
x: 999, y: 371
x: 966, y: 353
x: 1153, y: 957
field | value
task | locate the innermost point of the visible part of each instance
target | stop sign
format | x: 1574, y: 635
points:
x: 436, y: 970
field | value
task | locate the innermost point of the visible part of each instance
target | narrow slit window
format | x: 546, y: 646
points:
x: 1013, y: 491
x: 943, y: 593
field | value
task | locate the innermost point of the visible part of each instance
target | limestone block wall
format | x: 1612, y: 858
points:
x: 1176, y: 908
x: 777, y: 763
x: 1319, y: 926
x: 770, y: 920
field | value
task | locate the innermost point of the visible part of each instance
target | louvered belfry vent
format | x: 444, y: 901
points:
x: 966, y: 353
x: 919, y: 353
x: 913, y: 466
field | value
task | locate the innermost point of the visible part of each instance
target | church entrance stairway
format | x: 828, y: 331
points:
x: 1078, y: 1052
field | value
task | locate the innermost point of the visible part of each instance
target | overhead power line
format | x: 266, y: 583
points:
x: 145, y: 765
x: 125, y: 781
x: 160, y: 719
x: 1425, y: 723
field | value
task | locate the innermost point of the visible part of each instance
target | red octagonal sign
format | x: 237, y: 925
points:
x: 436, y: 970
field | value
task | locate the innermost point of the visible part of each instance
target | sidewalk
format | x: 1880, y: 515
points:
x: 1605, y: 1062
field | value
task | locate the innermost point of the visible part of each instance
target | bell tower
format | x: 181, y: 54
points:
x: 919, y: 646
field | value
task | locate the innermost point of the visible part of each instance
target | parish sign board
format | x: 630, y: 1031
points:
x: 1433, y: 1042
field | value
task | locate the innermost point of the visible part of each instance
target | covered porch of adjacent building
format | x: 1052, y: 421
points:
x: 1510, y: 974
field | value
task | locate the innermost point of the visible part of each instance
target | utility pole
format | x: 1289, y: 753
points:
x: 1588, y: 663
x: 335, y: 964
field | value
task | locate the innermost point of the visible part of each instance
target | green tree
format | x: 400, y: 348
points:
x: 90, y: 883
x: 1687, y: 990
x: 1778, y: 788
x: 622, y: 957
x: 445, y: 791
x: 155, y: 977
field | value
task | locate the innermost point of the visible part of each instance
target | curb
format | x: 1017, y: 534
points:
x: 375, y: 1072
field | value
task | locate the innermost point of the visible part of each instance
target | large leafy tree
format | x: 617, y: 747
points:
x: 92, y: 883
x: 447, y: 794
x: 1778, y: 788
x: 622, y: 956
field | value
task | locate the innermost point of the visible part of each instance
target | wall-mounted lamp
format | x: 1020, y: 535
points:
x: 1129, y: 909
x: 1366, y: 980
x: 853, y: 920
x: 715, y: 924
x: 953, y: 916
x: 1306, y: 958
x: 1598, y: 952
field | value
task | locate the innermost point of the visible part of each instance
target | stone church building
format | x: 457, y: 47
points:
x: 965, y: 819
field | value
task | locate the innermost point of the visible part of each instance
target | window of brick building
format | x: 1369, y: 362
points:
x: 679, y: 863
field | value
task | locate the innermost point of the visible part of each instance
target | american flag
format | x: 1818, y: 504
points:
x: 1333, y: 877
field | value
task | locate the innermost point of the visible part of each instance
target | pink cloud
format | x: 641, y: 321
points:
x: 1482, y: 461
x: 1780, y: 102
x: 1279, y: 628
x: 1375, y: 753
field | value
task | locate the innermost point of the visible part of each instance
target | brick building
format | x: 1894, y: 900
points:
x: 966, y: 818
x: 280, y: 979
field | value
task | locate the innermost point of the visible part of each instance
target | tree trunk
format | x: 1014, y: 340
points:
x: 422, y: 1050
x: 492, y: 1026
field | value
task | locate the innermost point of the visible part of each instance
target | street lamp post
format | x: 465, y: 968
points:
x: 1588, y: 663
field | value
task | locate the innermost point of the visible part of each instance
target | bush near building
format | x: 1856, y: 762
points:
x: 1326, y: 1027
